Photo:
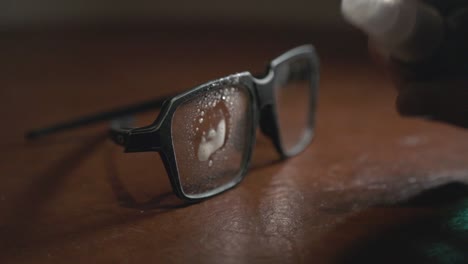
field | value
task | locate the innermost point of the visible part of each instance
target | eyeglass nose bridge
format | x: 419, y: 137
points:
x: 266, y: 104
x: 264, y: 89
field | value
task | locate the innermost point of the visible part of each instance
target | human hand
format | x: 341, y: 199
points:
x: 424, y: 44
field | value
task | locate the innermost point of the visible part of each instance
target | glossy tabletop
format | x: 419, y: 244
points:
x: 372, y: 185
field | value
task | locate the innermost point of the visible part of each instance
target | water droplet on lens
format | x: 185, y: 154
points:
x: 202, y: 113
x: 201, y: 120
x: 210, y: 163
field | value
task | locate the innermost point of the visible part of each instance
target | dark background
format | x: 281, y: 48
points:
x: 314, y: 14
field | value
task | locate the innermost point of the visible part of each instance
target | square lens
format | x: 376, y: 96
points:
x: 212, y: 136
x: 295, y: 104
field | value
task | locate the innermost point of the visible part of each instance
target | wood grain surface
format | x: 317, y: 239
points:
x: 372, y: 185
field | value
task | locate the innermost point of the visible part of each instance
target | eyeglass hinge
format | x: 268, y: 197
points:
x: 143, y: 141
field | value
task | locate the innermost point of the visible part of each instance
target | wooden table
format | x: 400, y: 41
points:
x: 372, y: 185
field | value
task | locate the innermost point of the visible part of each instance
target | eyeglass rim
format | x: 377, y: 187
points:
x: 307, y: 52
x: 150, y: 138
x: 261, y: 93
x: 168, y: 153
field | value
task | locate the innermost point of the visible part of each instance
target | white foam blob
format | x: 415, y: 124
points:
x: 212, y: 142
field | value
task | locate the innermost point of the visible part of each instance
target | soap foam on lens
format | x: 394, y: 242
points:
x: 211, y: 144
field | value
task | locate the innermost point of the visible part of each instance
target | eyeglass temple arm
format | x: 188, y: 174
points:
x: 141, y: 139
x: 97, y: 118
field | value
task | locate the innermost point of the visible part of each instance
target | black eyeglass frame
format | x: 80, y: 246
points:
x: 157, y: 137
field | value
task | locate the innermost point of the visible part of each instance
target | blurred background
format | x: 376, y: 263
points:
x: 312, y: 14
x: 92, y: 47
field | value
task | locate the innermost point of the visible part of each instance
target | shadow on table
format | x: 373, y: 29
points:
x: 264, y: 156
x: 429, y: 228
x: 20, y: 218
x: 160, y: 202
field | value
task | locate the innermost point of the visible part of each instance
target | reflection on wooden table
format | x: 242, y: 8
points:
x: 370, y: 182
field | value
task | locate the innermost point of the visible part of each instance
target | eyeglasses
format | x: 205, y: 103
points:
x: 206, y: 135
